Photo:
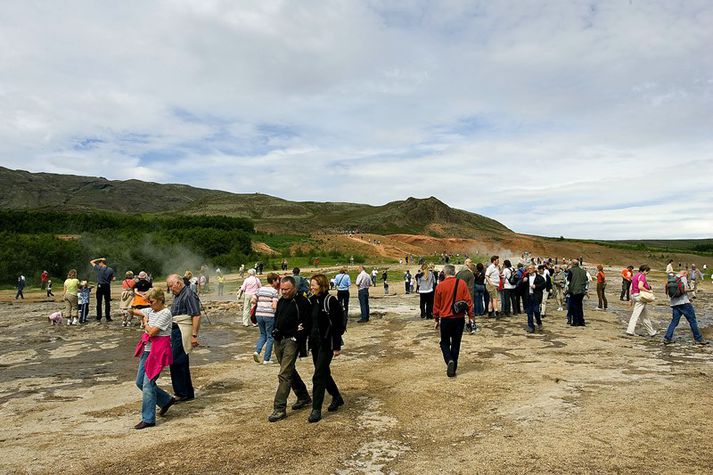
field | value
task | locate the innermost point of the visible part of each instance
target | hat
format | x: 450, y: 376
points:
x: 143, y: 275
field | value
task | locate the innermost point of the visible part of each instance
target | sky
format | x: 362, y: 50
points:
x: 583, y: 119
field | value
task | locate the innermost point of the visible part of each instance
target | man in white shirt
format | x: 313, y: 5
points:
x: 363, y: 282
x: 492, y: 284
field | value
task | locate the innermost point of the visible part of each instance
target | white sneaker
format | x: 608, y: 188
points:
x: 75, y: 322
x: 256, y: 357
x: 560, y: 309
x: 267, y: 362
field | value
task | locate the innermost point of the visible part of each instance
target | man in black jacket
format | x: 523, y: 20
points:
x: 292, y: 324
x: 531, y: 286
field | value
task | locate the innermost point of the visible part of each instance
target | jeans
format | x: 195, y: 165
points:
x: 152, y: 395
x: 343, y: 298
x: 533, y: 310
x: 364, y: 304
x: 687, y: 311
x: 451, y: 334
x: 478, y: 300
x: 426, y: 304
x: 180, y: 369
x: 322, y: 379
x: 83, y: 312
x: 104, y: 294
x: 265, y: 324
x: 601, y: 296
x: 286, y: 351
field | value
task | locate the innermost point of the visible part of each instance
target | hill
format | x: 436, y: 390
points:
x: 430, y: 216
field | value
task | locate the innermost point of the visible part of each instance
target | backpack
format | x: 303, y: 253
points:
x: 302, y: 285
x: 675, y: 287
x: 326, y: 308
x: 513, y: 279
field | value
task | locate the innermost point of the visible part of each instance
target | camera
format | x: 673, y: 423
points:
x: 277, y: 334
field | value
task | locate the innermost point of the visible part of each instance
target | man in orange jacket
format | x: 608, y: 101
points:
x: 451, y: 304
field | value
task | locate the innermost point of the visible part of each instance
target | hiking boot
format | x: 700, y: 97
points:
x: 300, y: 403
x: 530, y: 329
x: 315, y: 416
x: 335, y: 404
x: 451, y: 370
x: 256, y: 357
x: 539, y: 327
x: 666, y: 341
x: 276, y: 416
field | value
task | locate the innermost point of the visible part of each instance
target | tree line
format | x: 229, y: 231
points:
x: 33, y: 241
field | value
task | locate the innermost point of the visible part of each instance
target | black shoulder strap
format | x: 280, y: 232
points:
x: 455, y: 292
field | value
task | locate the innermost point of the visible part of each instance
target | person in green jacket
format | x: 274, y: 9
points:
x: 577, y: 290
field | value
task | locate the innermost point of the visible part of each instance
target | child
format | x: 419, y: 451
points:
x: 56, y: 318
x: 49, y: 289
x: 127, y: 296
x: 83, y: 299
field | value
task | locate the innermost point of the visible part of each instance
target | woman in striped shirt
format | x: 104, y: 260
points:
x: 266, y: 300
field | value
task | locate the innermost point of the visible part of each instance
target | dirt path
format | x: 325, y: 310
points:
x: 570, y: 400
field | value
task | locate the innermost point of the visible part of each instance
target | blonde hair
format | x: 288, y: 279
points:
x: 156, y: 294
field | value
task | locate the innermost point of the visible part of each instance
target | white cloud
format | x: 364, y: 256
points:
x: 552, y: 116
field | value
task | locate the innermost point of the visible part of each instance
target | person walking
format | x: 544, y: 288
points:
x: 70, y: 298
x: 265, y: 301
x: 681, y: 305
x: 342, y: 282
x: 221, y: 284
x: 577, y: 290
x: 186, y: 311
x: 105, y: 276
x: 639, y: 285
x: 20, y: 287
x: 452, y: 303
x: 601, y: 286
x: 426, y: 286
x: 247, y: 290
x: 467, y: 275
x: 49, y: 289
x: 363, y: 282
x: 43, y: 279
x: 695, y: 276
x: 407, y: 281
x: 292, y: 324
x: 325, y: 342
x: 154, y: 350
x: 559, y: 285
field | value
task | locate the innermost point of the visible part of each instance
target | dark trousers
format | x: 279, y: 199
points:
x: 83, y: 312
x: 180, y: 369
x: 625, y: 286
x: 576, y: 309
x: 600, y: 294
x: 533, y: 312
x: 426, y: 303
x: 104, y: 294
x: 486, y: 298
x: 407, y: 287
x: 19, y: 294
x: 516, y: 299
x: 507, y: 300
x: 286, y: 352
x: 343, y: 298
x: 364, y: 304
x: 322, y: 379
x: 451, y: 334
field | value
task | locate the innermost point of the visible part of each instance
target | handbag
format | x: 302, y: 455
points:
x: 646, y: 296
x: 253, y: 318
x: 460, y: 307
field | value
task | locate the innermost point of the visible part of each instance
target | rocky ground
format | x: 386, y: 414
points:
x: 568, y: 400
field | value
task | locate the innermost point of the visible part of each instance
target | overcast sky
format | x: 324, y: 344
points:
x: 578, y: 118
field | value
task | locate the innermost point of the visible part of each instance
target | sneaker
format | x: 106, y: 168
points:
x: 560, y: 309
x: 75, y: 322
x: 336, y: 403
x: 256, y: 357
x: 539, y: 328
x: 666, y: 341
x: 267, y: 362
x: 276, y: 416
x: 301, y: 403
x: 530, y: 329
x: 124, y: 324
x: 701, y: 342
x: 451, y: 370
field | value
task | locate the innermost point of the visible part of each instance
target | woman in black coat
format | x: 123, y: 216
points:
x: 325, y: 342
x: 531, y: 286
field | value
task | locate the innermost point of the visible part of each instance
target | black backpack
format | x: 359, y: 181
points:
x: 326, y: 308
x: 513, y: 279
